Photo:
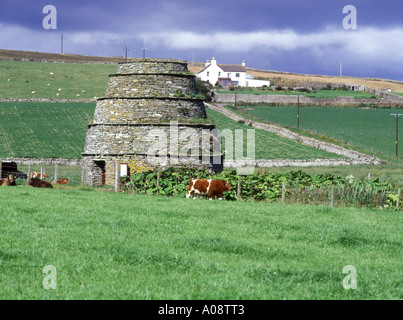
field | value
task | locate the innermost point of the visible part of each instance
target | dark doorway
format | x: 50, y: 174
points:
x: 100, y: 176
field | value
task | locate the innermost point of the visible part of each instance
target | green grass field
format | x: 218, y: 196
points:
x: 269, y: 145
x: 107, y: 245
x: 18, y: 79
x: 372, y: 129
x: 46, y: 130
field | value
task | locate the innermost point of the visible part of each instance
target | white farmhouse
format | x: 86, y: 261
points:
x: 227, y: 75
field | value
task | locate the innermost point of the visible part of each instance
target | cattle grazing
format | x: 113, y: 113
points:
x: 38, y: 175
x: 62, y: 181
x: 9, y: 181
x: 212, y: 188
x: 38, y: 183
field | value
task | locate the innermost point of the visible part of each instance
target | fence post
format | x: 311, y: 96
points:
x: 332, y: 196
x: 1, y: 169
x: 56, y: 172
x: 82, y: 175
x: 41, y: 172
x: 398, y: 199
x: 239, y: 190
x: 117, y: 178
x: 283, y: 193
x: 29, y: 173
x: 158, y: 179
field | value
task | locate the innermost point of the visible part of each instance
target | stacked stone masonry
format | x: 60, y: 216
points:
x: 149, y: 119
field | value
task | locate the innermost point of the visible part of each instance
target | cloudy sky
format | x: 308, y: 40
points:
x: 303, y: 36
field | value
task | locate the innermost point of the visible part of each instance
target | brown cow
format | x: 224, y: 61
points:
x: 9, y: 181
x: 212, y: 188
x: 38, y: 183
x: 62, y: 181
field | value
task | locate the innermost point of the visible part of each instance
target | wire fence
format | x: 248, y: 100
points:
x: 56, y: 174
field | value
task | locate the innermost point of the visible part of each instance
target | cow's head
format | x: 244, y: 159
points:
x: 11, y: 178
x: 227, y: 186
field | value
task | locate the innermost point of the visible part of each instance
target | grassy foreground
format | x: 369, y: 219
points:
x: 124, y: 246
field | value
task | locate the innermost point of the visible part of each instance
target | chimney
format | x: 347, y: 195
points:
x: 213, y: 61
x: 207, y: 63
x: 243, y: 63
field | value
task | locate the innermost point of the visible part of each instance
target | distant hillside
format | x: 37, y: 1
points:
x: 277, y: 77
x: 295, y: 79
x: 55, y: 57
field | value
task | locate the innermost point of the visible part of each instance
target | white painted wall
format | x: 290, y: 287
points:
x: 257, y: 83
x: 214, y: 71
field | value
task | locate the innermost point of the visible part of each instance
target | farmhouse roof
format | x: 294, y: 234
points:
x: 232, y: 68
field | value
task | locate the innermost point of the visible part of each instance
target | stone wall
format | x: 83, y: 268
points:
x: 131, y: 123
x: 159, y: 66
x: 293, y: 99
x: 105, y: 139
x: 151, y: 85
x: 38, y: 161
x: 142, y: 110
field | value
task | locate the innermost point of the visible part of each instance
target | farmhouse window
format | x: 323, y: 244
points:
x: 237, y: 75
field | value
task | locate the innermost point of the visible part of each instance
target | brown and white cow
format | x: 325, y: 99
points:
x: 9, y: 181
x: 38, y: 175
x: 210, y: 187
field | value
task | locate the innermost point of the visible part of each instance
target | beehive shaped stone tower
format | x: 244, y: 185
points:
x: 150, y: 118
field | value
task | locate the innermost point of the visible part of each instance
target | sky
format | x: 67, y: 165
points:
x: 301, y: 36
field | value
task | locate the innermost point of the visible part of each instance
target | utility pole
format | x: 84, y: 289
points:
x: 298, y: 113
x: 144, y: 51
x: 126, y: 50
x: 397, y: 115
x: 235, y: 104
x: 61, y: 45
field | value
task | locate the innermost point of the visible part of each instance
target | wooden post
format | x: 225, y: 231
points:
x: 117, y: 176
x: 398, y: 199
x: 1, y: 169
x: 158, y: 179
x: 283, y: 193
x: 41, y: 172
x: 29, y: 173
x: 82, y: 175
x: 369, y: 176
x: 239, y: 191
x: 332, y: 196
x: 56, y: 172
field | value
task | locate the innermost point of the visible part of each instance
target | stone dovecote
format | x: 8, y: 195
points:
x: 150, y: 118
